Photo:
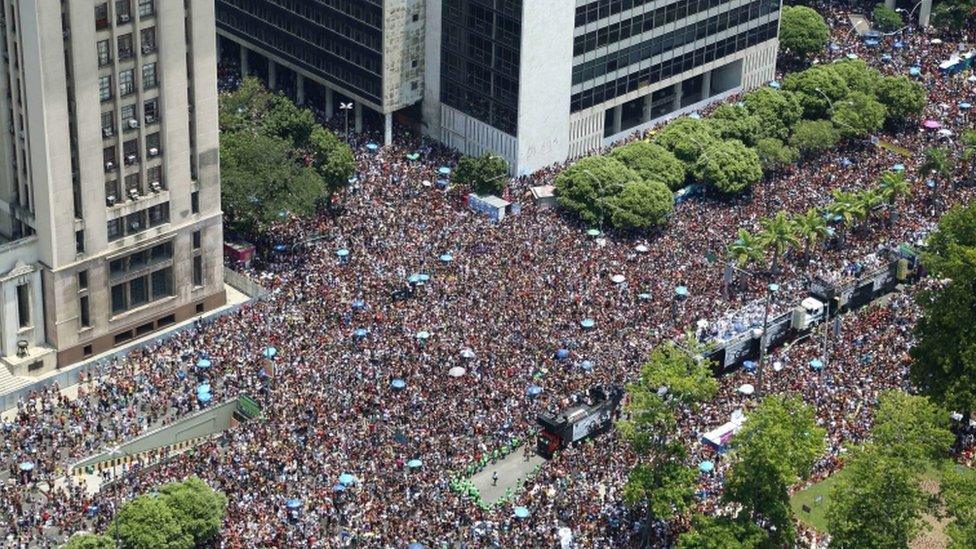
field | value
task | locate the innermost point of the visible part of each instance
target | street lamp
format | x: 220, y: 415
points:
x: 763, y: 341
x: 346, y: 107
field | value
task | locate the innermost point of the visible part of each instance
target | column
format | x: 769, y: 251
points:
x: 329, y: 103
x: 388, y: 129
x: 924, y: 13
x: 618, y: 119
x: 359, y: 117
x: 244, y: 66
x: 890, y: 4
x: 648, y: 106
x: 272, y: 75
x: 706, y: 85
x: 299, y: 89
x: 677, y: 97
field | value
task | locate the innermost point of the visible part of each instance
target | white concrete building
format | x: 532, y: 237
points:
x: 109, y: 176
x: 541, y: 81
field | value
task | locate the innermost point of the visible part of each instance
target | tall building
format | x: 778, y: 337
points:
x: 540, y: 81
x: 109, y: 176
x: 365, y: 52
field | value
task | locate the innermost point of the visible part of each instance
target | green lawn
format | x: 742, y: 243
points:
x: 895, y: 149
x: 817, y: 516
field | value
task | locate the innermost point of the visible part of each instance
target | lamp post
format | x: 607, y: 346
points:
x: 770, y: 290
x: 346, y: 107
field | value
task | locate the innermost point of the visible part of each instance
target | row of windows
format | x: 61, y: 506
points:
x: 594, y: 11
x: 147, y: 41
x: 138, y: 222
x: 127, y: 82
x: 671, y: 67
x: 659, y: 44
x: 644, y: 22
x: 142, y: 290
x: 140, y: 260
x: 130, y: 117
x: 123, y: 12
x: 316, y: 23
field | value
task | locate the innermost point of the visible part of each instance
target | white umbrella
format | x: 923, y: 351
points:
x: 935, y: 41
x: 703, y: 324
x: 617, y: 279
x: 945, y: 133
x: 467, y: 353
x: 777, y: 366
x: 641, y: 248
x: 456, y: 371
x: 747, y: 389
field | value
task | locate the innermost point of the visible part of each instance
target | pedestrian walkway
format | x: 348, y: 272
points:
x: 510, y: 469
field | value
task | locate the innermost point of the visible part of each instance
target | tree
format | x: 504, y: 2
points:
x: 848, y: 209
x: 902, y: 98
x: 802, y: 31
x: 812, y: 228
x: 877, y: 502
x: 858, y: 115
x: 585, y: 187
x: 722, y: 533
x: 196, y: 507
x: 641, y: 205
x: 870, y: 200
x: 858, y: 75
x: 736, y: 122
x: 958, y: 492
x: 746, y: 248
x: 778, y: 111
x: 937, y: 162
x: 687, y: 138
x: 814, y: 135
x: 147, y: 523
x: 885, y: 18
x: 486, y: 174
x: 331, y: 158
x: 776, y: 448
x: 911, y: 430
x: 90, y: 541
x: 944, y: 356
x: 729, y: 166
x: 817, y: 89
x: 893, y: 186
x: 262, y: 177
x: 652, y: 162
x: 778, y: 233
x: 952, y: 15
x: 774, y: 155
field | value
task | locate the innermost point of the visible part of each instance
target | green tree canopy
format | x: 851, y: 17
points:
x: 877, y: 502
x: 90, y: 541
x: 774, y: 154
x: 937, y: 162
x: 331, y: 158
x: 196, y: 507
x: 901, y: 97
x: 148, y: 523
x: 858, y: 115
x: 641, y: 205
x: 886, y: 19
x: 729, y: 166
x: 817, y: 88
x: 814, y: 135
x: 722, y: 532
x: 736, y: 122
x: 953, y: 15
x: 652, y: 162
x: 803, y: 31
x: 858, y: 75
x: 958, y: 492
x: 486, y: 174
x: 777, y: 447
x: 911, y: 430
x: 585, y: 187
x: 687, y: 138
x: 779, y: 234
x: 778, y: 111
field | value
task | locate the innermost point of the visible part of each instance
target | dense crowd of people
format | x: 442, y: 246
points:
x: 509, y: 295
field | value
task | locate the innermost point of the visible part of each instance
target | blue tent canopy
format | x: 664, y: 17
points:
x: 521, y: 512
x: 681, y: 291
x: 562, y: 354
x: 372, y: 147
x: 270, y: 352
x: 644, y: 296
x: 358, y: 304
x: 533, y: 390
x: 346, y: 479
x: 338, y: 488
x: 930, y: 183
x: 423, y: 334
x: 26, y: 466
x: 587, y: 323
x: 414, y: 278
x: 444, y: 170
x: 293, y: 503
x: 342, y: 252
x: 204, y: 363
x: 412, y: 156
x: 706, y: 467
x: 915, y: 71
x: 204, y: 397
x: 749, y: 365
x: 203, y: 388
x: 899, y: 44
x: 586, y: 365
x: 898, y: 168
x: 424, y: 277
x: 775, y: 85
x: 694, y: 116
x: 965, y: 106
x: 415, y: 545
x: 398, y: 384
x: 414, y: 463
x: 593, y: 232
x: 360, y: 332
x: 816, y: 364
x: 446, y: 258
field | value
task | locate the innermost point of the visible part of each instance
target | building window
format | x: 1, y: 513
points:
x: 105, y: 87
x: 154, y: 176
x: 104, y: 53
x: 87, y: 351
x: 127, y: 83
x: 147, y: 40
x: 123, y: 11
x: 142, y: 289
x: 146, y: 8
x: 159, y: 214
x: 120, y: 300
x: 125, y: 46
x: 151, y: 109
x: 82, y: 280
x: 152, y: 145
x: 23, y: 305
x: 108, y: 124
x: 195, y: 202
x: 130, y: 151
x: 196, y: 240
x: 114, y: 229
x: 162, y: 283
x: 101, y: 16
x: 80, y: 242
x: 149, y: 76
x: 198, y: 271
x: 83, y: 312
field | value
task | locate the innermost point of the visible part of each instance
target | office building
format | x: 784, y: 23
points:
x: 109, y: 176
x: 362, y: 53
x: 540, y: 81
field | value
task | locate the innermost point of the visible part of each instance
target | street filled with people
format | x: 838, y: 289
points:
x: 374, y: 301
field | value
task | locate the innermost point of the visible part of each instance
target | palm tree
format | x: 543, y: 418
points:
x: 893, y: 186
x: 848, y: 209
x: 778, y: 233
x: 746, y: 248
x: 870, y: 199
x: 812, y: 227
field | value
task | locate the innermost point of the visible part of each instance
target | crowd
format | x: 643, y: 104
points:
x: 512, y: 293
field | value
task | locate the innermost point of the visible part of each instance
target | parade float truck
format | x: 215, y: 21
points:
x: 580, y: 421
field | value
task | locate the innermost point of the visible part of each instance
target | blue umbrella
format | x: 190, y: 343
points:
x: 521, y: 512
x: 203, y: 388
x: 899, y: 44
x: 533, y: 390
x: 424, y: 277
x: 372, y: 147
x: 775, y: 85
x: 27, y: 466
x: 412, y: 156
x: 342, y: 252
x: 834, y: 46
x: 360, y: 333
x: 414, y: 463
x: 280, y: 247
x: 644, y: 296
x: 446, y: 258
x: 886, y: 57
x: 415, y: 545
x: 846, y: 162
x: 398, y: 384
x: 293, y: 503
x: 816, y: 364
x: 915, y: 71
x: 346, y: 479
x: 930, y: 183
x: 694, y: 116
x: 965, y: 106
x: 444, y: 170
x: 593, y: 232
x: 338, y: 488
x: 358, y: 304
x: 353, y: 180
x: 586, y: 365
x: 749, y: 365
x: 204, y: 397
x: 562, y: 354
x: 423, y: 334
x: 413, y: 279
x: 681, y: 291
x: 270, y: 352
x: 587, y: 323
x: 898, y: 168
x: 204, y: 363
x: 706, y: 467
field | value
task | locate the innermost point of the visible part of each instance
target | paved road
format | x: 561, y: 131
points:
x: 510, y: 470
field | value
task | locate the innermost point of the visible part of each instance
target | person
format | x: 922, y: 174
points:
x: 494, y: 478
